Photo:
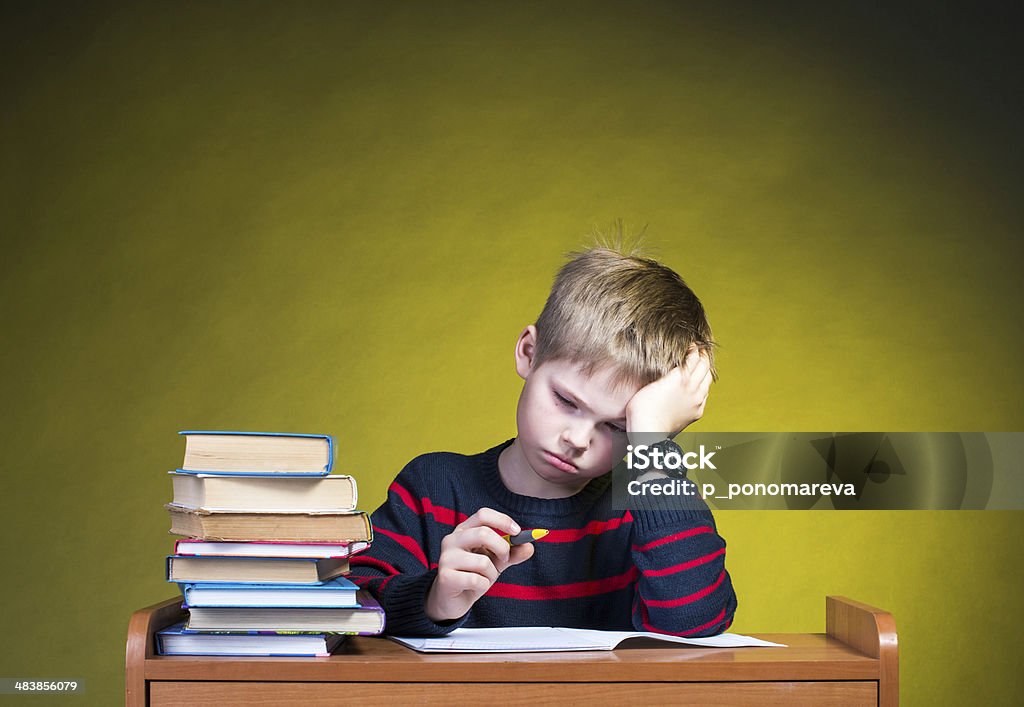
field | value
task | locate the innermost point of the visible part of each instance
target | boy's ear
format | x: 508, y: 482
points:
x: 526, y: 349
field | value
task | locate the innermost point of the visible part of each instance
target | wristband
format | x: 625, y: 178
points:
x: 665, y: 446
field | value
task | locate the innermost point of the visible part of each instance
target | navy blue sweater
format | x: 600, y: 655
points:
x: 650, y: 570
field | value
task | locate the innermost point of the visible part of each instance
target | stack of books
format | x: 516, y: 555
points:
x: 269, y: 533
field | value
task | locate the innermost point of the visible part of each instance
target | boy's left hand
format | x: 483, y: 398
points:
x: 674, y: 401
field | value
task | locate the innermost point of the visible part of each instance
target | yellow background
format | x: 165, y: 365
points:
x: 337, y: 217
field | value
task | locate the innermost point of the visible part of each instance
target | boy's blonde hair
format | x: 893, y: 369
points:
x: 620, y: 311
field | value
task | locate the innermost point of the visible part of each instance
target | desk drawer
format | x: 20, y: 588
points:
x: 315, y: 694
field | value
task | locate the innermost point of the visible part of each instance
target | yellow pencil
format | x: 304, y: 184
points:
x: 527, y: 536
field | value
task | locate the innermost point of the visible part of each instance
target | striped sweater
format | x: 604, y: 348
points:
x: 650, y: 570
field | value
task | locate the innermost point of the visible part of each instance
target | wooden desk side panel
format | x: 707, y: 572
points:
x: 871, y: 631
x: 140, y: 645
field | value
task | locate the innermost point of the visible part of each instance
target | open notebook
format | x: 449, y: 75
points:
x: 529, y: 639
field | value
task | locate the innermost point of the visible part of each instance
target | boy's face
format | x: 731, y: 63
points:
x: 571, y: 428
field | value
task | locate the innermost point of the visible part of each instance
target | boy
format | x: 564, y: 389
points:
x: 601, y: 368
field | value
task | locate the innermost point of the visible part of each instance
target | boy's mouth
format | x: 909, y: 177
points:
x: 559, y: 462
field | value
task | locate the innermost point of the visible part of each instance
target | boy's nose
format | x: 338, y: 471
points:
x: 577, y: 437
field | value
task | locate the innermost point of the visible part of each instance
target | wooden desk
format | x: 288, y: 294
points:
x: 854, y: 663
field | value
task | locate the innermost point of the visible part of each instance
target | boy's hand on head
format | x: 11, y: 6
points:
x: 674, y: 401
x: 472, y: 557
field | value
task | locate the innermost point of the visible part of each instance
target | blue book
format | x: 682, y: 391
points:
x: 174, y: 640
x: 367, y: 619
x: 257, y: 453
x: 336, y: 593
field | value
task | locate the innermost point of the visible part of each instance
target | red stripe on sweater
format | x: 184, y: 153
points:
x: 709, y: 624
x: 574, y: 590
x: 685, y: 565
x: 406, y: 542
x: 364, y: 579
x: 367, y: 561
x: 380, y: 587
x: 406, y: 497
x: 645, y: 619
x: 689, y: 598
x: 594, y: 527
x: 423, y: 506
x: 361, y: 579
x: 447, y: 516
x: 673, y: 538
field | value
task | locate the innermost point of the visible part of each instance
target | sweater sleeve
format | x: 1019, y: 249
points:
x: 398, y: 568
x: 682, y: 587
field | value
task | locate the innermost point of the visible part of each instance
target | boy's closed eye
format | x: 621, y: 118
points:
x: 616, y: 428
x: 563, y: 400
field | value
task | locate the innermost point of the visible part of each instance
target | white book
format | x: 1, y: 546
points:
x: 266, y: 548
x: 175, y: 641
x: 239, y: 493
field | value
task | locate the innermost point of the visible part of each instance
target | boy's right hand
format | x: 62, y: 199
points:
x: 472, y: 557
x: 673, y: 402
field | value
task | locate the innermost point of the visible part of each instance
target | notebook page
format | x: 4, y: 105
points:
x: 522, y: 639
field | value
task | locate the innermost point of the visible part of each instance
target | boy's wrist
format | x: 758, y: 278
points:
x: 644, y: 428
x: 405, y: 602
x: 432, y: 609
x: 662, y: 455
x: 648, y: 436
